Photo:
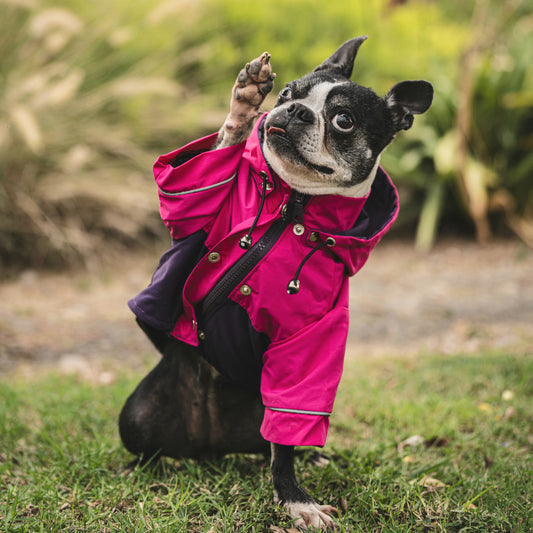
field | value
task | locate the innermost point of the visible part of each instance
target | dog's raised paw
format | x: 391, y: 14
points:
x: 312, y: 514
x: 255, y: 81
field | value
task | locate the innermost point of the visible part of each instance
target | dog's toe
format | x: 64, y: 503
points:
x: 259, y: 69
x: 254, y: 82
x: 312, y: 515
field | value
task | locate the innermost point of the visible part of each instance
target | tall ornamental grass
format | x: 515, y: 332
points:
x: 92, y: 92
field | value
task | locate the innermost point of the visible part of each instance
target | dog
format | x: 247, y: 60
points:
x: 249, y: 307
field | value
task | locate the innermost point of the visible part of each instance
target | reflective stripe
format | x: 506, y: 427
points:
x: 207, y: 188
x: 299, y: 411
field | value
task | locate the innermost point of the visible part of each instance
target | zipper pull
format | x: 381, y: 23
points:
x: 300, y: 202
x: 296, y: 205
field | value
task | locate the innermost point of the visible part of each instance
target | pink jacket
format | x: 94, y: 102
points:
x: 209, y: 200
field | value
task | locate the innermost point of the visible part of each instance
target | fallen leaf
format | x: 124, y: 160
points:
x: 408, y: 459
x: 429, y: 482
x: 507, y: 395
x: 485, y: 407
x: 95, y: 503
x: 411, y: 442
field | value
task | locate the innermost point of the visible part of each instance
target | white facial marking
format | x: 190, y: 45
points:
x: 312, y: 145
x: 316, y: 98
x: 362, y: 189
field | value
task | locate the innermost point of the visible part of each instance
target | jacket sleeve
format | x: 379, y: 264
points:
x: 300, y: 379
x: 193, y: 182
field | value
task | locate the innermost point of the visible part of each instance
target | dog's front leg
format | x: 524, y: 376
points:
x: 287, y: 491
x: 254, y: 82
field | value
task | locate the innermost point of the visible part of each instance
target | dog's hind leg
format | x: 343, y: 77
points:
x: 183, y: 408
x: 254, y: 82
x: 165, y: 414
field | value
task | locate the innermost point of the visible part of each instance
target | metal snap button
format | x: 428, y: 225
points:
x: 314, y: 237
x: 284, y: 209
x: 245, y: 290
x: 213, y: 257
x: 201, y: 335
x: 298, y: 229
x: 269, y: 186
x: 330, y: 241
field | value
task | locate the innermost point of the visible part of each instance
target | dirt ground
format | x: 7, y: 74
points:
x: 459, y: 298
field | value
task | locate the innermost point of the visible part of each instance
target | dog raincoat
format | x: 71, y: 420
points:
x: 257, y: 276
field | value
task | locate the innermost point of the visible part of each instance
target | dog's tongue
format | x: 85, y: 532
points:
x: 274, y: 129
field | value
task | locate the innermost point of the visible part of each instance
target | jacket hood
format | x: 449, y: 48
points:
x: 355, y: 224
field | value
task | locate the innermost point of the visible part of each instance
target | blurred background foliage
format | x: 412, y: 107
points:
x: 92, y: 92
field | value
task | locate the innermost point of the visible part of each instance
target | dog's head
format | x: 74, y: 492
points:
x: 326, y: 133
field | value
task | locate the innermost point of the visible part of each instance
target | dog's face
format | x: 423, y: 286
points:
x: 326, y: 133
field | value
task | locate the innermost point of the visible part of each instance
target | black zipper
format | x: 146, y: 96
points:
x: 220, y: 292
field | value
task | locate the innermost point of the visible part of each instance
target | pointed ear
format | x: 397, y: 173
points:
x: 406, y: 99
x: 342, y: 60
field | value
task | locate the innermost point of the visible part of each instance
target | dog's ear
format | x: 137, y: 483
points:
x: 342, y: 60
x: 406, y: 99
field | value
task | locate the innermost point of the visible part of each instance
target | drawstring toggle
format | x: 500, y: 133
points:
x: 245, y: 242
x: 294, y: 284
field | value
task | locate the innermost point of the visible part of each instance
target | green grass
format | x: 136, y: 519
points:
x: 62, y: 467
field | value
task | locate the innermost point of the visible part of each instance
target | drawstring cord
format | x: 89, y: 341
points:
x: 296, y: 209
x: 294, y: 284
x: 245, y: 242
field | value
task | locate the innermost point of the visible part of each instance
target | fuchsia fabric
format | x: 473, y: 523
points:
x: 219, y: 192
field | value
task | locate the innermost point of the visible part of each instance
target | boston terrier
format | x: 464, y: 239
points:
x: 249, y: 307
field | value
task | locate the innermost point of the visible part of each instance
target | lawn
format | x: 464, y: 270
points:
x: 427, y: 444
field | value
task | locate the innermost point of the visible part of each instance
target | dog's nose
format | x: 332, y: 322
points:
x: 301, y: 112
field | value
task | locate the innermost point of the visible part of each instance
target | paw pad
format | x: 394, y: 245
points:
x: 255, y: 81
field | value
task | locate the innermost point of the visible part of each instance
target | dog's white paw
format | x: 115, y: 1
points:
x: 254, y: 82
x: 311, y: 515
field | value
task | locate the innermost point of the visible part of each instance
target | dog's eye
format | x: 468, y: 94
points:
x: 285, y: 93
x: 343, y: 122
